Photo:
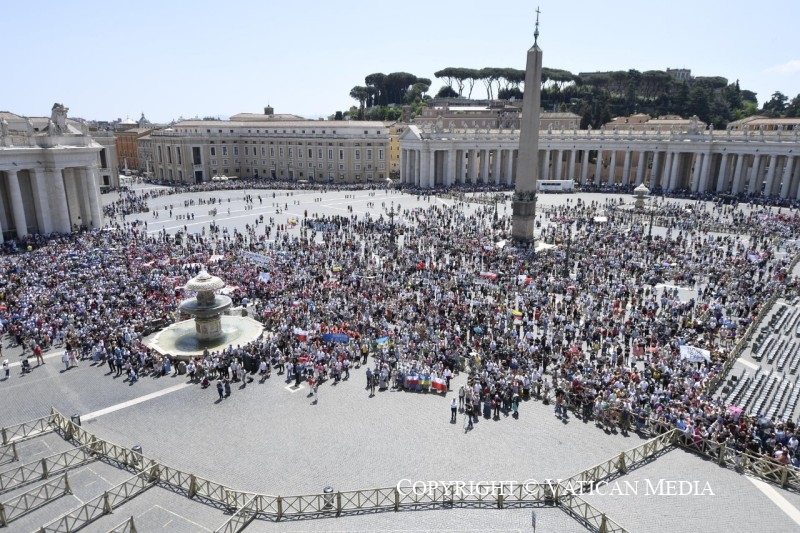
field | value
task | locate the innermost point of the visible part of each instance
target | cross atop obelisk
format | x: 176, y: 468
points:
x: 524, y: 202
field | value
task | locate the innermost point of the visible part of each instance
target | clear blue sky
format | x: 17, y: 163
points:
x: 169, y: 58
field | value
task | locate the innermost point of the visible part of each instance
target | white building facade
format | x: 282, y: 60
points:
x: 697, y: 160
x: 49, y: 175
x: 195, y: 151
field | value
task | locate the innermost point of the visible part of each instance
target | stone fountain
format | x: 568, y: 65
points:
x: 206, y: 307
x: 210, y: 327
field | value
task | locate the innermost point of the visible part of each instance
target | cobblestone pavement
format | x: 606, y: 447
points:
x: 268, y: 438
x: 736, y: 505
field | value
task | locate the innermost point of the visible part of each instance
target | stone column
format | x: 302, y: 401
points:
x: 92, y: 182
x: 585, y: 167
x: 509, y: 167
x: 432, y: 168
x: 418, y: 168
x: 485, y: 166
x: 472, y: 163
x: 545, y: 171
x: 641, y: 166
x: 496, y: 166
x: 17, y: 205
x: 404, y: 165
x: 705, y: 173
x: 773, y: 163
x: 787, y: 176
x: 722, y: 178
x: 3, y: 209
x: 698, y: 158
x: 43, y: 214
x: 669, y: 159
x: 755, y: 176
x: 57, y: 198
x: 571, y: 167
x: 674, y: 176
x: 559, y: 157
x: 626, y: 168
x: 598, y: 168
x: 450, y: 177
x: 612, y: 168
x: 654, y: 171
x: 737, y: 174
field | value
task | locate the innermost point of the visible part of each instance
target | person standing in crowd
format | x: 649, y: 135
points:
x: 220, y: 389
x: 453, y: 410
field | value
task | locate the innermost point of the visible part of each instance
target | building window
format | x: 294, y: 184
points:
x: 341, y: 154
x: 291, y: 153
x: 263, y: 162
x: 235, y: 151
x: 380, y: 155
x: 169, y: 156
x: 170, y: 174
x: 330, y: 166
x: 310, y: 153
x: 358, y: 166
x: 310, y: 164
x: 357, y: 154
x: 369, y: 153
x: 180, y: 175
x: 224, y: 161
x: 299, y: 153
x: 263, y: 151
x: 330, y: 153
x: 213, y: 151
x: 280, y: 151
x: 162, y: 172
x: 160, y: 159
x: 178, y: 155
x: 213, y: 162
x: 319, y: 153
x: 341, y: 166
x: 320, y: 165
x: 224, y: 150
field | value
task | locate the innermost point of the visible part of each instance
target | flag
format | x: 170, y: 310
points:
x: 523, y: 279
x: 264, y: 277
x: 382, y: 340
x: 439, y: 384
x: 694, y: 354
x: 301, y: 334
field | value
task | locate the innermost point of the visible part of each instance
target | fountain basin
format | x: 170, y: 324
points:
x: 182, y: 340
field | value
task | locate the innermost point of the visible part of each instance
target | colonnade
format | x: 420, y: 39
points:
x: 437, y: 168
x: 718, y: 167
x: 48, y: 200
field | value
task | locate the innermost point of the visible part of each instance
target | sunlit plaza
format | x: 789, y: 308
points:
x: 273, y: 437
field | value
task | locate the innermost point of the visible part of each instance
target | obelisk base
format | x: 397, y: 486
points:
x: 524, y: 220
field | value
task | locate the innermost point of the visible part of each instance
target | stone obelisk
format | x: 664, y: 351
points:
x: 524, y: 202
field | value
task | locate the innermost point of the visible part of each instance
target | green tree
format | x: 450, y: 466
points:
x: 775, y: 106
x: 361, y: 94
x: 793, y: 109
x: 699, y: 103
x: 446, y: 92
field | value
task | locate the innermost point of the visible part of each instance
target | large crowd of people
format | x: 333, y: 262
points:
x: 593, y: 325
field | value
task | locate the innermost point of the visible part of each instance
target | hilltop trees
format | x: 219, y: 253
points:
x: 595, y: 96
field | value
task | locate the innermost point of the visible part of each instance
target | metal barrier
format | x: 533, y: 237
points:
x: 8, y: 453
x: 588, y: 515
x: 20, y: 505
x: 787, y: 476
x: 99, y: 506
x: 26, y: 430
x: 126, y: 527
x: 241, y: 518
x: 621, y: 463
x: 44, y: 468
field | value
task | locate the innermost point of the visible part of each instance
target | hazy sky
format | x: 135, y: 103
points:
x: 106, y: 59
